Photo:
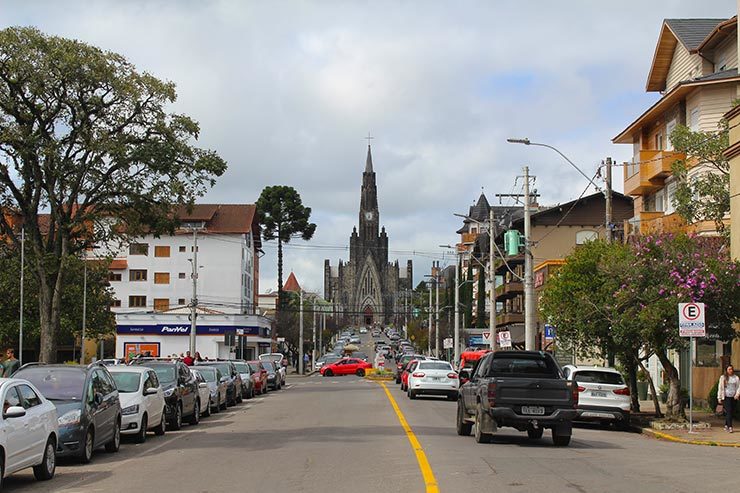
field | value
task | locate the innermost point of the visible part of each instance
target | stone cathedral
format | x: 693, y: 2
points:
x: 368, y: 289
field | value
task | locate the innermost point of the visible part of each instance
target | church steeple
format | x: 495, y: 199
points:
x: 369, y: 161
x: 369, y: 220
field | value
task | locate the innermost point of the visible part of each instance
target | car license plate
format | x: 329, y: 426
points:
x: 538, y: 410
x: 595, y: 393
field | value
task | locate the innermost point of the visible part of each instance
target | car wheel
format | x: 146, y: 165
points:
x: 195, y: 418
x: 115, y: 442
x: 48, y: 466
x: 89, y: 446
x: 328, y: 373
x: 412, y: 394
x: 560, y: 440
x: 463, y: 427
x: 162, y: 428
x: 480, y: 437
x: 2, y: 471
x: 177, y: 419
x: 535, y: 433
x: 141, y: 436
x: 360, y: 372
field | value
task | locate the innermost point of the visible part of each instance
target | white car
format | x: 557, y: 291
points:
x: 363, y: 330
x: 433, y: 378
x: 602, y: 394
x: 280, y: 363
x: 28, y: 430
x: 142, y: 401
x: 203, y: 391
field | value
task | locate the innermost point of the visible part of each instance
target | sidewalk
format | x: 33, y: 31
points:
x: 713, y: 436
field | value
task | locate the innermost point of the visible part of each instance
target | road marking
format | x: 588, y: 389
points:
x: 426, y: 470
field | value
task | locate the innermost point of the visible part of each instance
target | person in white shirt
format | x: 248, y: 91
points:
x: 728, y: 393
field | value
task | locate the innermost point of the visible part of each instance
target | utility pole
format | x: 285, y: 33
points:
x: 300, y: 333
x: 84, y: 309
x: 429, y: 337
x: 194, y: 299
x: 492, y: 280
x: 313, y: 347
x: 323, y: 329
x: 436, y: 313
x: 529, y: 332
x: 457, y: 310
x: 23, y: 266
x: 608, y: 195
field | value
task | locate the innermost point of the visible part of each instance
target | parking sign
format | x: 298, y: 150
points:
x: 504, y: 338
x: 691, y: 320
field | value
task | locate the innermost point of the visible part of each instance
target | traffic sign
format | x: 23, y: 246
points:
x: 447, y: 343
x: 549, y: 332
x: 691, y: 320
x: 487, y: 336
x: 504, y: 338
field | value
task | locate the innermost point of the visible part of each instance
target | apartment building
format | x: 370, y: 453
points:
x: 695, y: 70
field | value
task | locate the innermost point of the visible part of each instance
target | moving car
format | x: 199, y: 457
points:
x: 142, y: 401
x: 230, y: 376
x: 603, y: 395
x: 87, y: 404
x: 246, y: 377
x: 204, y: 392
x: 346, y: 366
x: 521, y: 389
x: 259, y: 376
x: 29, y: 432
x: 181, y: 396
x: 273, y: 375
x: 216, y: 387
x: 433, y: 378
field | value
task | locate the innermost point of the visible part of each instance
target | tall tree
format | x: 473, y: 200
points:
x: 88, y: 139
x: 283, y: 217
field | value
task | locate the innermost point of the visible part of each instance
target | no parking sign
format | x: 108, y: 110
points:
x: 691, y: 320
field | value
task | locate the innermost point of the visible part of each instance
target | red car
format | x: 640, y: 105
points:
x: 259, y: 376
x: 408, y: 369
x: 346, y: 366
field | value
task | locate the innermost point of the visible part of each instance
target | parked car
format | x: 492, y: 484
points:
x: 273, y: 375
x: 29, y: 431
x: 216, y: 387
x: 603, y: 395
x: 433, y: 378
x: 231, y: 377
x: 407, y: 369
x: 246, y: 376
x: 259, y: 376
x: 112, y: 361
x: 87, y: 404
x: 182, y: 400
x: 403, y: 361
x: 325, y: 360
x: 521, y: 389
x: 280, y: 361
x: 142, y: 401
x: 204, y: 392
x: 363, y: 330
x: 346, y: 366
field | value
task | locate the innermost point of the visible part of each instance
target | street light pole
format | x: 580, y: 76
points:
x: 457, y: 310
x: 23, y: 265
x: 429, y: 336
x: 300, y: 333
x: 492, y: 280
x: 529, y: 333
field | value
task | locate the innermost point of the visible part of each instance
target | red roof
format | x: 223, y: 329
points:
x: 221, y: 218
x: 292, y: 284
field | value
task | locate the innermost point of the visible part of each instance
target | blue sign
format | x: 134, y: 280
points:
x: 549, y: 332
x: 477, y: 341
x: 184, y: 329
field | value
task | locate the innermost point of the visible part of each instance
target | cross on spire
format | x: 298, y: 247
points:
x: 368, y: 138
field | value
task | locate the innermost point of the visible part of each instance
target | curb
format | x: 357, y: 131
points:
x: 665, y: 436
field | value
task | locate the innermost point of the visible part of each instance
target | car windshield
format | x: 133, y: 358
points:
x: 596, y: 376
x: 435, y: 365
x: 126, y: 382
x: 524, y: 366
x: 241, y: 367
x: 268, y: 365
x: 224, y: 367
x: 166, y: 374
x: 208, y: 373
x: 255, y: 367
x: 56, y: 384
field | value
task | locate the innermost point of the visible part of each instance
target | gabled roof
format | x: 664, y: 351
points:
x: 718, y: 34
x: 222, y: 218
x: 689, y: 32
x: 292, y: 284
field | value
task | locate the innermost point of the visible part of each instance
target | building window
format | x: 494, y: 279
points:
x: 181, y: 301
x: 669, y: 130
x: 196, y: 249
x: 659, y: 142
x: 161, y: 304
x: 694, y: 119
x: 137, y: 275
x: 138, y: 249
x: 659, y: 199
x: 182, y: 249
x: 586, y: 236
x: 115, y: 303
x: 114, y: 276
x: 181, y: 275
x: 721, y: 64
x: 161, y: 251
x: 137, y: 301
x: 161, y: 278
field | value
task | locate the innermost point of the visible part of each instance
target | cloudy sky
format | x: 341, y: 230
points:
x: 285, y: 91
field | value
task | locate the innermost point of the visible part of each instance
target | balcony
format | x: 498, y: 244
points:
x: 659, y: 223
x: 509, y: 290
x: 511, y: 260
x: 509, y: 318
x: 653, y: 169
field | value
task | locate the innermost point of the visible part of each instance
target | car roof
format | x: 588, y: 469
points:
x: 128, y: 369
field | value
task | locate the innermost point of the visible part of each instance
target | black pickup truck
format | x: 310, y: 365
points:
x: 521, y: 389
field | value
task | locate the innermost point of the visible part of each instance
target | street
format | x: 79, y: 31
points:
x: 327, y: 434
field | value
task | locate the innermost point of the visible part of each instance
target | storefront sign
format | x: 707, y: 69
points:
x: 181, y: 329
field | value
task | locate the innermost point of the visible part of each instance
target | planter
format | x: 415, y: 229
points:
x: 642, y: 389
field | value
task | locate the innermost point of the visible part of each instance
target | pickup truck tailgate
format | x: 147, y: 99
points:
x: 544, y: 392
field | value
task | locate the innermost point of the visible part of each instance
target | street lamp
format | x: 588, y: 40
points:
x: 527, y: 142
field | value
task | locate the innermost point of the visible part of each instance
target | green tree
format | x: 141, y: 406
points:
x: 706, y: 196
x: 87, y: 138
x: 283, y: 217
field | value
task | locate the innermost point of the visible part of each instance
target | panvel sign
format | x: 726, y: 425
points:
x: 183, y: 329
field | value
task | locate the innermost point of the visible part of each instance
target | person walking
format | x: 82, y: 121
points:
x: 728, y: 393
x: 306, y: 359
x: 11, y: 364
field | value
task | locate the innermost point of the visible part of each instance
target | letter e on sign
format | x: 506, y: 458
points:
x: 691, y: 320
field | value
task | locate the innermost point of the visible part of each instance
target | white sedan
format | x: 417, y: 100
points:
x: 28, y: 430
x: 142, y: 401
x: 203, y: 391
x: 433, y: 378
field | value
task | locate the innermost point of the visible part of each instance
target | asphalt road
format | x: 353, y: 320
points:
x: 342, y: 434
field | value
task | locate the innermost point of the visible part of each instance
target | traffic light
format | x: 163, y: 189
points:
x: 512, y: 242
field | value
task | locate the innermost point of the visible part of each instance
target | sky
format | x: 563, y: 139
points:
x: 286, y: 91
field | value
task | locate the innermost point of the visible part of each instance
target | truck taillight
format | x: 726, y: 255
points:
x: 622, y: 391
x: 419, y: 374
x: 492, y: 394
x: 574, y: 390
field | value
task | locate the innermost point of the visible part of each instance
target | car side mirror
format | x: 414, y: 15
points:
x: 150, y: 391
x: 98, y: 399
x: 14, y: 412
x: 464, y: 374
x: 203, y: 385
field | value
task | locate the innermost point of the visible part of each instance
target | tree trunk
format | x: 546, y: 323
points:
x: 656, y: 402
x: 674, y: 406
x: 632, y: 378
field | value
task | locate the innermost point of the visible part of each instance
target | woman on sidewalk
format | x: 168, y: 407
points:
x: 728, y: 392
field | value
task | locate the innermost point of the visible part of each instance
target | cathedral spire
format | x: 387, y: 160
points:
x: 369, y: 161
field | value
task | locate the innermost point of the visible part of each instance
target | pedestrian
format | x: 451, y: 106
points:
x: 728, y: 392
x: 188, y: 360
x: 295, y: 360
x: 306, y: 358
x: 197, y: 357
x: 11, y: 364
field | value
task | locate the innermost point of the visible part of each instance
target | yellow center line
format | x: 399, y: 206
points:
x: 426, y: 470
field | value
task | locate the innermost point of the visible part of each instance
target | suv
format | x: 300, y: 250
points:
x: 603, y: 395
x: 181, y: 395
x: 87, y: 404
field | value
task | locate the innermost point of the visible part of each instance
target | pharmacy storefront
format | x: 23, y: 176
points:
x: 217, y: 335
